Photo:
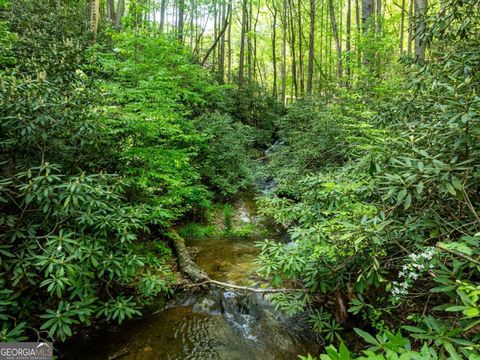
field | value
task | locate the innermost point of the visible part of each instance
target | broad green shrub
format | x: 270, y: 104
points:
x: 225, y: 159
x: 312, y: 135
x: 396, y: 226
x: 252, y: 106
x: 152, y: 91
x: 71, y: 248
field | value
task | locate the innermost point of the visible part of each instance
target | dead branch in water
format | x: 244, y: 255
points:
x: 244, y: 288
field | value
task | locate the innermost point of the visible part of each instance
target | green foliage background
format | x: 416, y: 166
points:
x: 103, y: 147
x: 99, y: 155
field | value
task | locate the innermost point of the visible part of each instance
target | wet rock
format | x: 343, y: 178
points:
x: 278, y: 336
x: 208, y: 306
x: 229, y: 295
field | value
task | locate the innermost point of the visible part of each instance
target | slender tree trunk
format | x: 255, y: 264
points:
x: 410, y: 27
x: 199, y: 40
x: 255, y: 39
x: 94, y: 19
x: 321, y: 58
x: 367, y: 26
x: 329, y: 48
x: 300, y: 49
x: 402, y: 28
x: 111, y: 10
x: 273, y: 11
x: 329, y: 41
x: 215, y: 42
x: 249, y: 40
x: 215, y: 31
x: 120, y: 13
x: 163, y: 6
x: 336, y: 37
x: 284, y: 51
x: 175, y: 17
x: 181, y: 18
x: 293, y: 50
x: 229, y: 43
x: 359, y: 33
x: 241, y: 61
x: 349, y: 41
x: 379, y: 17
x: 221, y: 58
x: 419, y: 30
x: 311, y: 46
x: 192, y: 16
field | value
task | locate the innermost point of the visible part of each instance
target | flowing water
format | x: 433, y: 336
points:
x: 214, y: 324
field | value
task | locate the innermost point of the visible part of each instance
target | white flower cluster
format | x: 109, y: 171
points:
x: 411, y: 271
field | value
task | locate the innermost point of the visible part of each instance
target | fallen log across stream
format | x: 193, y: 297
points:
x: 189, y: 268
x: 185, y: 263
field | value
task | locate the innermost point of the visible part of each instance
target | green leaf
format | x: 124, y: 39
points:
x: 450, y: 188
x: 455, y: 308
x: 414, y: 329
x: 407, y: 202
x: 457, y: 184
x: 366, y: 336
x: 401, y: 195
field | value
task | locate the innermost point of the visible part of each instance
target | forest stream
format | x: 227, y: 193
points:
x: 213, y: 324
x: 254, y: 180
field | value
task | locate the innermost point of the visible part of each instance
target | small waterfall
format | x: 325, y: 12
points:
x: 241, y: 312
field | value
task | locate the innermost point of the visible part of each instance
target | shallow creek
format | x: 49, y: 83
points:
x: 214, y: 324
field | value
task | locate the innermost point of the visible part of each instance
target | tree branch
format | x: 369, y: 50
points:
x: 214, y: 45
x: 459, y: 254
x: 245, y: 288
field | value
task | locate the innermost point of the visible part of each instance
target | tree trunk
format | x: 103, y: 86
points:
x: 402, y: 28
x: 300, y: 49
x: 249, y: 40
x: 410, y: 28
x: 311, y: 47
x: 336, y: 37
x: 284, y: 51
x: 215, y: 32
x: 181, y: 10
x: 162, y: 15
x: 192, y: 24
x: 120, y: 13
x: 419, y: 30
x: 229, y: 43
x: 358, y: 53
x: 273, y: 11
x: 111, y: 10
x: 185, y: 263
x: 379, y: 17
x: 241, y: 61
x: 349, y: 41
x: 321, y: 57
x: 215, y: 42
x: 94, y: 19
x: 292, y: 49
x: 221, y: 57
x: 255, y: 59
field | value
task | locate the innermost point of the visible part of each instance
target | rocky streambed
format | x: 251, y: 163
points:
x: 209, y: 324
